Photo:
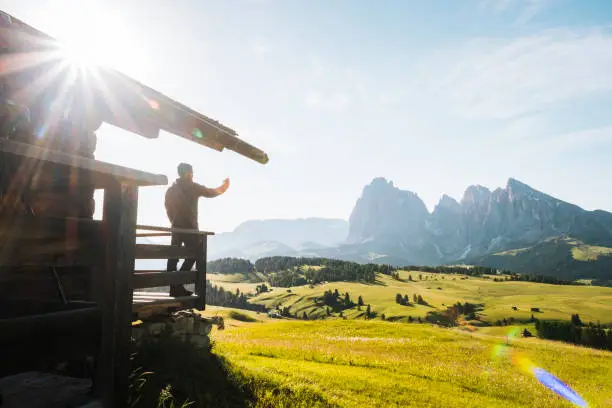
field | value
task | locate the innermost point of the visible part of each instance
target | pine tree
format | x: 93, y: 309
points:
x: 410, y: 278
x: 305, y: 316
x: 576, y: 320
x: 420, y: 276
x: 398, y: 298
x: 406, y: 301
x: 383, y: 317
x: 368, y: 311
x: 360, y: 301
x: 415, y: 298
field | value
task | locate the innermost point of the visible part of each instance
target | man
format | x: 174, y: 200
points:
x: 182, y: 209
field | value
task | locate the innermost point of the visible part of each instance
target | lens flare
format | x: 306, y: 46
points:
x: 197, y: 133
x: 528, y: 367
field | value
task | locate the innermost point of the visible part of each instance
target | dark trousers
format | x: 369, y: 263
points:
x: 190, y: 241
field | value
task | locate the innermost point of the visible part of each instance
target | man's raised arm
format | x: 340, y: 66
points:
x: 213, y: 192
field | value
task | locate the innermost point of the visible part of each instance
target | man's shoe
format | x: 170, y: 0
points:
x: 179, y: 291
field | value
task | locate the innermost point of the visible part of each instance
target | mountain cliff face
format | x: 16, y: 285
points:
x: 515, y: 227
x: 396, y: 223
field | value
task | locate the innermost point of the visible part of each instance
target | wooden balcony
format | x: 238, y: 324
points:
x: 145, y: 303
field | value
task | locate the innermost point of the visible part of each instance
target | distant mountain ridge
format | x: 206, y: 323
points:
x: 259, y: 238
x: 393, y: 222
x: 390, y: 225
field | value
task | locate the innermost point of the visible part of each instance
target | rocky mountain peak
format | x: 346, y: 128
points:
x: 447, y: 202
x: 384, y: 209
x: 476, y: 195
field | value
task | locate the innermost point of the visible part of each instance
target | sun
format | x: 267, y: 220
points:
x: 92, y: 35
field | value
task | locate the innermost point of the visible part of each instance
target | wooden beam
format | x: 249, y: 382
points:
x: 154, y: 234
x: 145, y: 251
x: 170, y: 229
x: 119, y: 218
x: 43, y: 241
x: 151, y: 279
x: 104, y: 174
x: 200, y: 286
x: 25, y: 326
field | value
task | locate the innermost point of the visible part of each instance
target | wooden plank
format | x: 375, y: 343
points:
x: 200, y: 286
x: 151, y: 279
x: 43, y: 241
x: 145, y: 251
x: 41, y: 227
x: 144, y: 295
x: 26, y: 326
x: 104, y: 174
x: 154, y: 234
x: 140, y: 302
x: 170, y: 229
x: 119, y: 218
x: 145, y: 307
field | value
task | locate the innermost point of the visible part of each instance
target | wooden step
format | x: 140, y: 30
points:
x: 152, y: 279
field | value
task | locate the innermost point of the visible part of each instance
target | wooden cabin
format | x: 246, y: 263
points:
x: 67, y: 281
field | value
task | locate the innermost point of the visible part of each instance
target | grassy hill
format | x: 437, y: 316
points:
x: 357, y: 363
x: 562, y: 257
x: 593, y: 303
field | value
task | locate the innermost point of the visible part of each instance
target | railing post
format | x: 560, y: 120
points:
x: 119, y: 221
x: 200, y: 285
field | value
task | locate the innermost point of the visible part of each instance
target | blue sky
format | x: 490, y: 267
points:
x: 434, y: 95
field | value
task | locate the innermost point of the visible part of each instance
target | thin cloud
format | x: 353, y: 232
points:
x: 526, y: 9
x: 495, y: 79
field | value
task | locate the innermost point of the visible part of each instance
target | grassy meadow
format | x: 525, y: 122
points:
x: 593, y: 303
x: 374, y: 363
x: 348, y: 361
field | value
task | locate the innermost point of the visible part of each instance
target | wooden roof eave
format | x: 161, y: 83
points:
x: 180, y: 120
x: 146, y: 121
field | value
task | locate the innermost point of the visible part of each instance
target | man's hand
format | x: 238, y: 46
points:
x: 223, y: 187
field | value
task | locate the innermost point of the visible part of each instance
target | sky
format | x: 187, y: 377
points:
x: 433, y: 95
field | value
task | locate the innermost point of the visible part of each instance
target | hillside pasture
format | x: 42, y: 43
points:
x: 339, y: 363
x: 592, y: 303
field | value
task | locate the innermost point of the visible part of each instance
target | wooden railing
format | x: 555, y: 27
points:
x: 154, y: 278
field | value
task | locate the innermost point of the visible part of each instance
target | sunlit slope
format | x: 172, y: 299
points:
x: 592, y: 303
x: 562, y: 257
x: 355, y: 363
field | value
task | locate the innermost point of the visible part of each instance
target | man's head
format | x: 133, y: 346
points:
x: 185, y: 171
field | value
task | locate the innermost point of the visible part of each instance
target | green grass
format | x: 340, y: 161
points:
x: 590, y: 252
x: 352, y: 363
x: 562, y: 257
x: 592, y: 303
x: 242, y: 317
x: 246, y: 283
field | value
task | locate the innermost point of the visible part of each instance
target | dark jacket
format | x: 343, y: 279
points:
x: 181, y: 202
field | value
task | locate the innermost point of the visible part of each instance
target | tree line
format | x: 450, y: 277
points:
x: 576, y: 332
x: 230, y: 265
x: 330, y: 271
x: 218, y: 296
x: 279, y: 263
x: 405, y: 300
x: 458, y: 270
x: 485, y: 270
x: 333, y: 270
